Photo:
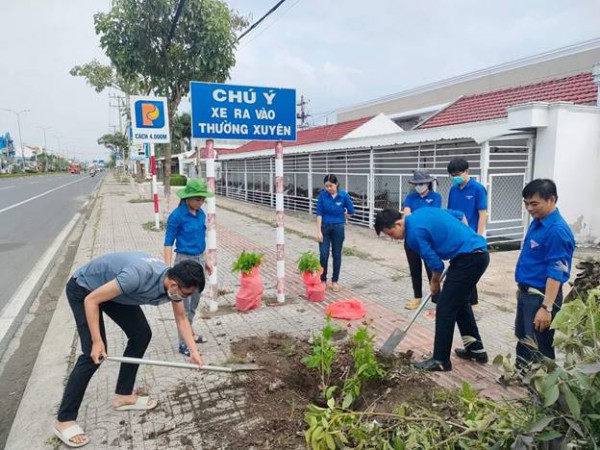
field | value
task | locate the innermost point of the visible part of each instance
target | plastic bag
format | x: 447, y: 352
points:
x: 250, y: 292
x: 315, y: 288
x: 350, y: 309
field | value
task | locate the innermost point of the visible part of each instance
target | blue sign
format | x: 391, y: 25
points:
x: 226, y: 111
x: 149, y: 114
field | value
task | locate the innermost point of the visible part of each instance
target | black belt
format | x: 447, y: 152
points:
x: 530, y: 289
x: 462, y: 255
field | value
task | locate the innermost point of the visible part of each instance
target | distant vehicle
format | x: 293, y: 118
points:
x: 74, y: 169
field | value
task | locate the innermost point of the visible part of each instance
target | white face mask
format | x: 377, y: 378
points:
x: 420, y: 188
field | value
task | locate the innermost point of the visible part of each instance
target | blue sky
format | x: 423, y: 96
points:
x: 336, y: 53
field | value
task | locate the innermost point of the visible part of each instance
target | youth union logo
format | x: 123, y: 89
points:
x: 149, y: 114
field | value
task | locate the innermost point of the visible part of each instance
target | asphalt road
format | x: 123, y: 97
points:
x: 33, y: 211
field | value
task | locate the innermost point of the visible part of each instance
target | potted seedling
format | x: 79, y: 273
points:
x: 251, y: 285
x: 310, y: 268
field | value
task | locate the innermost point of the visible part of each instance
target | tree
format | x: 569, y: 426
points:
x: 116, y: 143
x: 182, y: 131
x: 152, y: 42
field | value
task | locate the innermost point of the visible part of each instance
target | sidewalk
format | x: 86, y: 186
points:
x: 373, y: 270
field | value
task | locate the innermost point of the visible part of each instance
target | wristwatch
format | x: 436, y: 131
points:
x: 548, y: 309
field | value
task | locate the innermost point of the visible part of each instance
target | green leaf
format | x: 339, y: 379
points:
x: 551, y: 395
x: 540, y: 424
x: 329, y: 441
x: 331, y: 403
x: 348, y: 399
x: 572, y: 401
x: 548, y: 435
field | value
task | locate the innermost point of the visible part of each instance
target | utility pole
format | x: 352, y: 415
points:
x: 46, y: 148
x: 303, y: 115
x: 18, y: 114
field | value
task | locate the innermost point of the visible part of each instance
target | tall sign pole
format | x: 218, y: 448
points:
x: 154, y: 173
x: 211, y: 225
x: 279, y: 216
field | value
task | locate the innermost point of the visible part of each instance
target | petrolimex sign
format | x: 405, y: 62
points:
x: 149, y: 120
x: 226, y: 111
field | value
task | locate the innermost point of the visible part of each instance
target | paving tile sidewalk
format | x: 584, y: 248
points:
x: 377, y: 274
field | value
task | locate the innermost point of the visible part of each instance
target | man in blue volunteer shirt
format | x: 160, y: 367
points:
x: 543, y: 266
x: 467, y: 195
x: 470, y: 197
x: 117, y: 284
x: 439, y: 235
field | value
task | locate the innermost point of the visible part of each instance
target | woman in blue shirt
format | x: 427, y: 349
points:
x: 334, y: 207
x: 187, y: 226
x: 422, y: 197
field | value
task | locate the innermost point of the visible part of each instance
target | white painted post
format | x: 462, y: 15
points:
x: 211, y: 226
x: 154, y: 187
x: 280, y: 247
x: 484, y: 163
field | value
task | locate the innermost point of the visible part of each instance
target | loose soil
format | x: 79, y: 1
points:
x: 276, y: 397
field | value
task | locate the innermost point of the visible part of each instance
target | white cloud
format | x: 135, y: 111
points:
x: 335, y: 53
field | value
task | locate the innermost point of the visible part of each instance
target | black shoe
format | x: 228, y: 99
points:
x: 433, y: 365
x: 481, y: 358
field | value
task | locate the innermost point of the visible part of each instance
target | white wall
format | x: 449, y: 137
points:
x: 568, y: 151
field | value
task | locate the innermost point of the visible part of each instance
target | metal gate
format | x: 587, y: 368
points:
x: 378, y: 178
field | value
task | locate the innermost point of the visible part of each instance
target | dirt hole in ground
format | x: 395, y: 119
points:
x: 276, y: 398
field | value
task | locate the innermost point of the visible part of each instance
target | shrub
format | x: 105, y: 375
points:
x: 309, y: 262
x: 246, y: 262
x: 178, y: 180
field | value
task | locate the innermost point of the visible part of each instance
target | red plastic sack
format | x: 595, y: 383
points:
x: 351, y: 309
x: 315, y: 289
x: 311, y: 278
x: 250, y: 292
x: 316, y: 293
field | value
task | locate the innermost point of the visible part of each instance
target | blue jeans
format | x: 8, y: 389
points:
x: 527, y: 307
x: 190, y: 303
x: 333, y: 237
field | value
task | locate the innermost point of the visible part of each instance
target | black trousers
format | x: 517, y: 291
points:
x: 453, y: 304
x: 130, y: 319
x: 415, y: 264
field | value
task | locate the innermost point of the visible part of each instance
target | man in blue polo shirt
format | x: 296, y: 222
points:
x: 467, y: 195
x: 439, y: 235
x: 470, y: 197
x: 543, y: 266
x: 117, y: 284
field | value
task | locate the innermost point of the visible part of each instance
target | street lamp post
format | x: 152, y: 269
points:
x: 18, y: 114
x: 46, y: 146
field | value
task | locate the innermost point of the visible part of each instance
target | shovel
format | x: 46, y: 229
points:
x: 397, y: 335
x: 152, y: 362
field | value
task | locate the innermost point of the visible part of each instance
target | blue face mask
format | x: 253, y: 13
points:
x: 458, y: 180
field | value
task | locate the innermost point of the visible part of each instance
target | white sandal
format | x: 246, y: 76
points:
x: 141, y: 404
x: 68, y: 434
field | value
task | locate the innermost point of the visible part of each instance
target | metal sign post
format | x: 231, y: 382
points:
x: 211, y: 225
x: 279, y: 215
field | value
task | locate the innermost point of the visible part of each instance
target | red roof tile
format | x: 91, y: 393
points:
x: 579, y: 89
x: 324, y: 133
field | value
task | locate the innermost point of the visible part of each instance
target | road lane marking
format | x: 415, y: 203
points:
x: 39, y: 195
x: 7, y: 187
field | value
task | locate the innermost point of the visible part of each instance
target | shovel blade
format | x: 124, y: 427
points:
x: 388, y: 347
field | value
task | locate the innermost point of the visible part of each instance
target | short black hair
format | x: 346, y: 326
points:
x: 188, y: 274
x: 386, y: 219
x: 458, y: 165
x: 544, y: 187
x: 331, y: 178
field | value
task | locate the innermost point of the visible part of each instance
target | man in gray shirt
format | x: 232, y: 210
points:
x: 117, y: 284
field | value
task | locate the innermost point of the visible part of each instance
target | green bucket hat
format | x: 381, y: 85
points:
x: 195, y: 187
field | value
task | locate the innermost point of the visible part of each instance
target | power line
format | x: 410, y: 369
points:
x: 273, y: 22
x: 255, y: 24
